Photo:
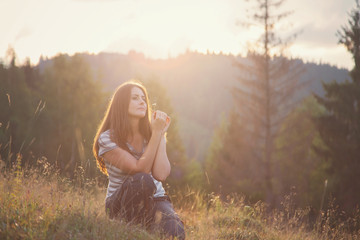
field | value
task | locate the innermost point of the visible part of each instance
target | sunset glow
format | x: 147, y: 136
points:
x: 162, y: 29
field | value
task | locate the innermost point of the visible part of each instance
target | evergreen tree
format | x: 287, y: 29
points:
x: 227, y: 164
x: 74, y: 105
x: 298, y: 168
x: 17, y: 104
x: 340, y: 126
x: 263, y: 99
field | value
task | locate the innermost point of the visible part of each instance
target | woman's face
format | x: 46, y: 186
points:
x: 137, y: 104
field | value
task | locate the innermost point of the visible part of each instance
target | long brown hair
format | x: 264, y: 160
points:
x: 116, y: 120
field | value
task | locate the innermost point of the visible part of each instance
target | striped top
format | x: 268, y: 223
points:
x: 116, y: 176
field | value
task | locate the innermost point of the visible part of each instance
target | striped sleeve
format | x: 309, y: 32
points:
x: 105, y: 143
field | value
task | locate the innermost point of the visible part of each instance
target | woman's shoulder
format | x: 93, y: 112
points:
x: 105, y: 142
x: 105, y: 134
x: 105, y: 138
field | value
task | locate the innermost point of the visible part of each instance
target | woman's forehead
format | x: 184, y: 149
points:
x: 137, y: 91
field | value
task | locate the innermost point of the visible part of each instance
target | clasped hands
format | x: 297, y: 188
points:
x: 160, y: 121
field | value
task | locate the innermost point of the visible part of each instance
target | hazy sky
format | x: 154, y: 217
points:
x: 163, y: 28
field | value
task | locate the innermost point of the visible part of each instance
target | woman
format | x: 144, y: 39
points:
x: 130, y: 147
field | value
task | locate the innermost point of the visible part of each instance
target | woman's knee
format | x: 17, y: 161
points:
x: 145, y: 181
x: 168, y: 221
x: 173, y: 227
x: 141, y: 175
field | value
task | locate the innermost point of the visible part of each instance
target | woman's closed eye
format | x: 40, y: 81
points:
x: 136, y: 97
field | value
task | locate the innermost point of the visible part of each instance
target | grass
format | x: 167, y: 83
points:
x: 39, y: 204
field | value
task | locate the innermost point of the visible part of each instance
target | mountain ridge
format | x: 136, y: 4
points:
x: 198, y: 86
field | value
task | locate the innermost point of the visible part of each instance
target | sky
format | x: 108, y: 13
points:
x: 166, y: 28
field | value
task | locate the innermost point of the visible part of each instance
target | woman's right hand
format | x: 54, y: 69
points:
x: 158, y: 121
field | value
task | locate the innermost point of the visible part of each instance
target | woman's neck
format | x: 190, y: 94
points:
x: 134, y: 123
x: 135, y: 139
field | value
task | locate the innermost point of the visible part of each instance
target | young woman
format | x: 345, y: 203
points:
x: 130, y: 147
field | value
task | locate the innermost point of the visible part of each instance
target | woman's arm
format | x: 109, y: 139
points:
x: 161, y: 168
x: 123, y: 160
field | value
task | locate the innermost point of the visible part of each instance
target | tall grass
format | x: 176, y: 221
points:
x: 38, y: 203
x: 208, y: 217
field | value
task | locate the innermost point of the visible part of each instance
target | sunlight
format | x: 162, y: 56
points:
x: 158, y: 28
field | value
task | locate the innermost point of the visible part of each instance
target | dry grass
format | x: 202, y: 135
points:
x: 234, y: 219
x: 39, y: 204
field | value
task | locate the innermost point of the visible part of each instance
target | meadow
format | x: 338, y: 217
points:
x: 38, y: 203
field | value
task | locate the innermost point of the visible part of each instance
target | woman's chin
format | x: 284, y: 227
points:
x: 139, y: 116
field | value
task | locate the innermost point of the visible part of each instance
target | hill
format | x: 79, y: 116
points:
x: 197, y: 84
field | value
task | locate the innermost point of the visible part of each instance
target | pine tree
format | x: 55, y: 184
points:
x: 266, y: 96
x: 227, y: 163
x: 74, y: 102
x: 298, y: 168
x: 17, y: 104
x: 340, y: 126
x: 263, y: 99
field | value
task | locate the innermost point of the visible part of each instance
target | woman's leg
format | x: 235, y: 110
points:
x: 167, y: 221
x: 134, y: 200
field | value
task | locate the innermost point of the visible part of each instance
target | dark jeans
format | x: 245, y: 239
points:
x: 135, y: 202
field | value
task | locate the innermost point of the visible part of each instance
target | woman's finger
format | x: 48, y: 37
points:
x: 160, y: 114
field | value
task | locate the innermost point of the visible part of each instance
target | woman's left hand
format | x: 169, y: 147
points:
x: 160, y: 114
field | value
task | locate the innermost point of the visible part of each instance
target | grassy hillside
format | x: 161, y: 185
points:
x: 39, y: 204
